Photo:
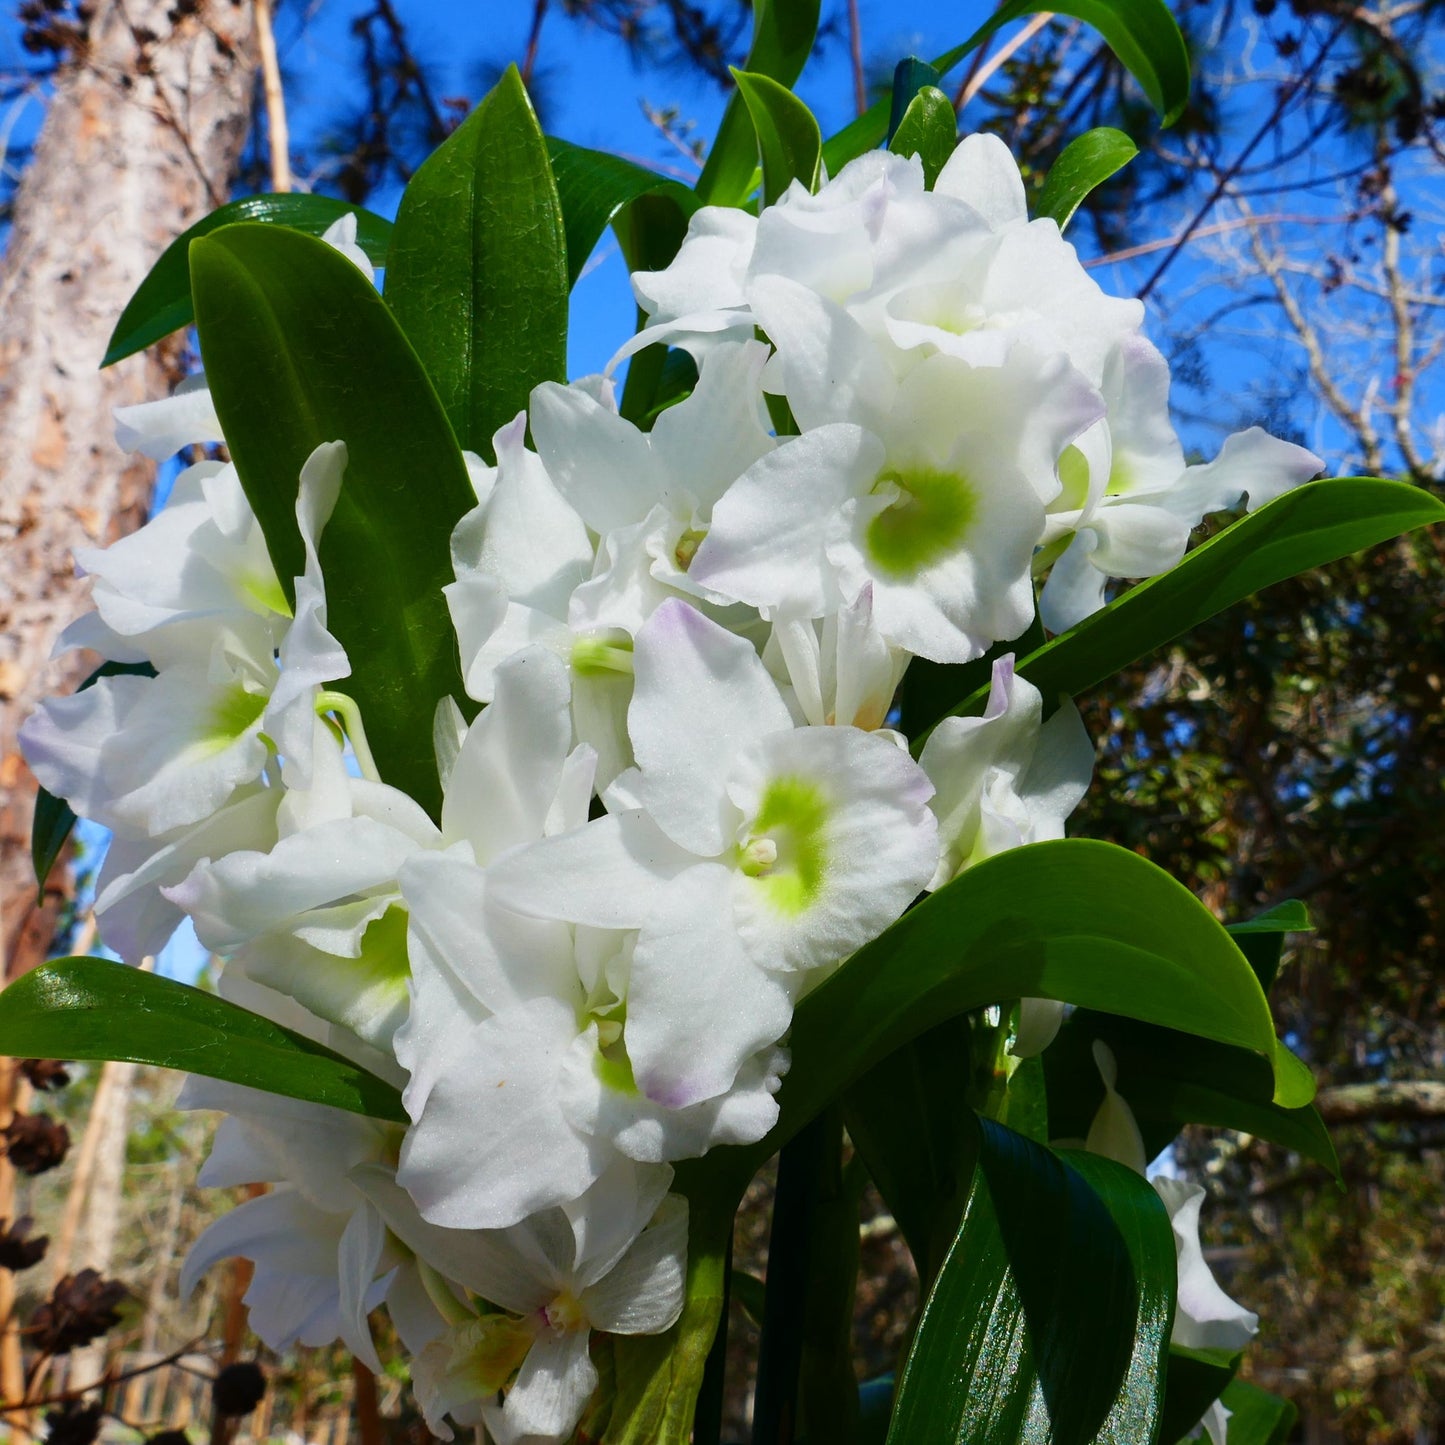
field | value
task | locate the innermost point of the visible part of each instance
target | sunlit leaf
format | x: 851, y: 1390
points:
x: 300, y: 350
x: 477, y: 272
x: 162, y: 302
x: 1050, y: 1317
x: 1083, y: 165
x: 789, y: 141
x: 783, y: 35
x: 1305, y: 528
x: 928, y: 130
x: 93, y: 1008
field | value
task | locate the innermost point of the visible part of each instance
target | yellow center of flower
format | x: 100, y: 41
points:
x: 786, y: 850
x: 929, y: 514
x: 565, y: 1313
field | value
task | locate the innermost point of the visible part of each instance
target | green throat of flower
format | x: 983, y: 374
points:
x: 233, y: 712
x: 927, y: 519
x: 786, y: 851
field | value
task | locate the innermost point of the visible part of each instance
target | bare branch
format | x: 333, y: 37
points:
x: 278, y: 133
x: 1387, y: 1103
x: 1000, y: 57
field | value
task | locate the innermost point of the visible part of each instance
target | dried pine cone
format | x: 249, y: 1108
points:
x: 35, y: 1143
x: 81, y: 1308
x: 17, y: 1249
x: 45, y: 1074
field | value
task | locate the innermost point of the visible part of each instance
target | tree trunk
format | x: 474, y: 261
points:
x: 141, y: 137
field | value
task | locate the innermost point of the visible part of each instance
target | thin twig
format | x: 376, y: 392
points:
x: 855, y: 54
x: 278, y: 134
x: 989, y: 68
x: 1286, y: 96
x: 1219, y: 228
x: 534, y: 39
x: 109, y: 1380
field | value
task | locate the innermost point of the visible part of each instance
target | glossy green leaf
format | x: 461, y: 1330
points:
x: 1257, y: 1417
x: 593, y: 186
x: 1051, y: 1304
x: 1143, y: 1221
x: 162, y: 302
x: 1082, y: 921
x: 928, y: 130
x: 1170, y: 1079
x: 783, y: 34
x: 54, y: 818
x: 1307, y: 527
x: 1261, y: 939
x: 1142, y: 33
x: 1193, y: 1381
x: 789, y: 142
x: 1083, y: 165
x: 906, y: 1118
x: 910, y: 76
x: 477, y: 273
x: 299, y: 350
x: 92, y: 1008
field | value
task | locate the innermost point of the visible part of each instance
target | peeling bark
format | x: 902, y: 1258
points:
x: 141, y: 137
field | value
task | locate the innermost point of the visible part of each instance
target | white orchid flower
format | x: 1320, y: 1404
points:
x: 1005, y: 778
x: 841, y: 669
x: 323, y: 1259
x: 521, y: 1087
x: 932, y: 490
x: 198, y: 565
x: 611, y: 1260
x: 1206, y: 1317
x: 745, y: 851
x: 1131, y: 502
x: 149, y: 755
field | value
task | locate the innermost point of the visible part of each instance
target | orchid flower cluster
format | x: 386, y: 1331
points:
x: 674, y: 800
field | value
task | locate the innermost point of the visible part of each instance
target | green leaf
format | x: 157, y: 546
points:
x: 1085, y: 163
x: 919, y: 1143
x: 92, y: 1008
x: 1193, y: 1381
x: 783, y: 34
x: 1169, y: 1079
x: 910, y: 76
x: 750, y: 1292
x: 928, y: 130
x: 1256, y: 1416
x: 299, y: 350
x: 162, y: 302
x: 593, y: 187
x: 477, y: 272
x: 1050, y: 1304
x: 1142, y: 33
x: 54, y: 818
x: 1082, y: 921
x: 789, y: 142
x: 1148, y: 1235
x: 1307, y: 527
x: 1261, y: 939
